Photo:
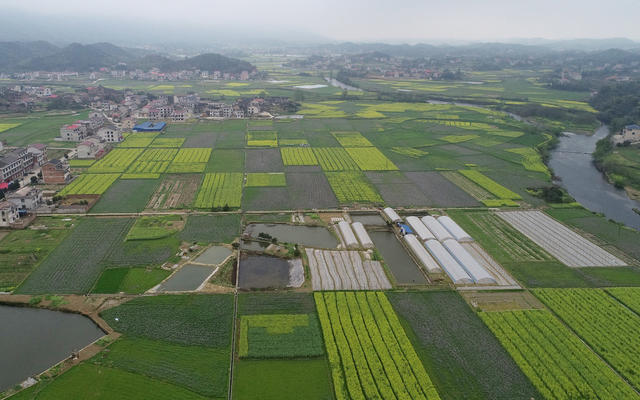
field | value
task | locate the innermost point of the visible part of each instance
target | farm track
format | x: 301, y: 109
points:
x: 563, y: 243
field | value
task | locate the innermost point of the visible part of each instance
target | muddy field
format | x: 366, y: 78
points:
x: 264, y: 160
x: 440, y: 191
x: 310, y: 190
x: 175, y: 191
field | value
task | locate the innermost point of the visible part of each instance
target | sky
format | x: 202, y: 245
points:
x: 339, y: 20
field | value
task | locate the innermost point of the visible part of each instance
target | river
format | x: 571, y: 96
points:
x: 572, y: 162
x: 33, y: 340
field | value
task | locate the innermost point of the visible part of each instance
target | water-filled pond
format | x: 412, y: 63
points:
x: 263, y: 272
x: 214, y: 255
x: 403, y: 268
x: 189, y: 277
x: 311, y: 236
x: 33, y: 340
x: 372, y: 219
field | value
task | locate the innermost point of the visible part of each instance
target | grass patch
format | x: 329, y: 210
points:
x: 154, y: 227
x: 129, y: 280
x: 211, y: 228
x: 126, y: 196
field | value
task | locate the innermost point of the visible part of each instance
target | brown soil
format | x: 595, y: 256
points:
x: 502, y: 301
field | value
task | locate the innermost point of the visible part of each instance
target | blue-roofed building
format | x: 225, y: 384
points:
x: 149, y: 126
x: 630, y: 134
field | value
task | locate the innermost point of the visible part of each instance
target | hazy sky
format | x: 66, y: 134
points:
x: 365, y: 20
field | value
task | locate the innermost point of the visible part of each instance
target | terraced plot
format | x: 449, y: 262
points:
x: 558, y: 364
x: 117, y: 160
x: 220, y: 190
x: 89, y: 184
x: 75, y: 264
x: 370, y: 355
x: 563, y: 243
x: 612, y: 330
x: 345, y: 270
x: 298, y: 156
x: 352, y: 187
x: 370, y: 159
x: 334, y: 159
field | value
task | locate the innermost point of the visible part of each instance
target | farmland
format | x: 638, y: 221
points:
x: 352, y: 187
x: 351, y: 139
x: 220, y: 190
x: 602, y: 322
x: 175, y: 191
x: 129, y: 280
x: 75, y: 264
x: 490, y: 185
x: 266, y: 179
x: 190, y: 160
x: 382, y: 361
x: 334, y: 159
x: 211, y: 228
x: 262, y: 139
x: 117, y: 160
x: 90, y: 184
x: 126, y: 196
x: 370, y: 159
x: 298, y: 156
x: 558, y: 364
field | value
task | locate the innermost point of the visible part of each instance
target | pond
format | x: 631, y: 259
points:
x: 311, y: 236
x: 403, y: 268
x: 33, y: 340
x: 214, y: 255
x: 257, y: 272
x: 188, y: 278
x: 572, y: 161
x: 373, y: 220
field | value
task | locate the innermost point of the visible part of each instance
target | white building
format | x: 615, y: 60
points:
x: 73, y: 132
x: 91, y: 148
x: 26, y: 198
x: 630, y: 133
x: 8, y: 214
x: 110, y: 134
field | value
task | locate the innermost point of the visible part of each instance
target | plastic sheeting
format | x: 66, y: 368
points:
x: 455, y: 271
x: 362, y: 235
x: 454, y: 229
x: 347, y: 234
x: 421, y: 254
x: 419, y: 228
x: 391, y: 215
x: 436, y: 228
x: 475, y: 270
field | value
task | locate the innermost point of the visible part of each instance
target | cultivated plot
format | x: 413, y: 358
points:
x: 334, y: 159
x: 263, y: 160
x: 310, y: 190
x: 175, y: 191
x: 220, y: 190
x: 345, y: 270
x: 370, y: 356
x: 117, y: 160
x: 370, y: 159
x: 298, y: 156
x: 440, y: 192
x: 563, y: 243
x: 352, y: 187
x: 89, y: 184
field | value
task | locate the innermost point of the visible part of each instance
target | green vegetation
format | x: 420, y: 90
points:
x: 298, y: 156
x: 602, y: 322
x: 369, y: 354
x: 189, y: 160
x: 558, y: 364
x: 630, y: 297
x: 117, y: 160
x: 38, y: 127
x: 334, y: 159
x: 75, y: 264
x: 89, y: 184
x: 198, y: 320
x: 126, y: 196
x: 351, y: 139
x: 262, y: 138
x: 129, y: 280
x: 266, y: 179
x: 226, y: 161
x: 281, y: 380
x: 352, y: 187
x: 220, y: 190
x: 490, y: 185
x: 461, y: 355
x: 23, y: 250
x: 167, y: 142
x: 211, y: 228
x: 370, y: 159
x: 279, y: 336
x: 154, y: 227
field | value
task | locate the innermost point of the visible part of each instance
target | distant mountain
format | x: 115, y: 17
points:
x: 43, y: 56
x: 593, y: 44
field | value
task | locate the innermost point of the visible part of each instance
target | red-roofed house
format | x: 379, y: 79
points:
x: 73, y: 132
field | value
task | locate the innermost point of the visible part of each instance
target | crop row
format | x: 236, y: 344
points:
x: 116, y: 160
x: 90, y: 184
x: 266, y: 179
x: 351, y: 139
x: 490, y: 185
x: 370, y: 159
x: 148, y: 167
x: 193, y: 155
x: 334, y: 159
x: 167, y: 142
x: 262, y: 139
x: 298, y: 156
x: 531, y: 159
x: 220, y: 190
x: 409, y: 151
x: 629, y: 296
x: 158, y: 155
x: 369, y: 354
x: 558, y: 364
x: 352, y: 187
x: 611, y: 329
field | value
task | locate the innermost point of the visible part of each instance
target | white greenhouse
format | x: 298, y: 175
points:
x: 362, y: 235
x: 349, y: 238
x: 421, y: 254
x: 436, y: 228
x: 456, y: 231
x: 391, y: 215
x: 419, y: 228
x: 455, y: 271
x: 475, y: 270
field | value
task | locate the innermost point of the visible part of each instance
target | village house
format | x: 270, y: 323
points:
x: 56, y: 172
x: 39, y: 153
x: 73, y: 132
x: 630, y: 134
x: 14, y: 164
x: 91, y: 148
x: 128, y: 124
x: 8, y: 214
x: 110, y: 134
x: 26, y: 198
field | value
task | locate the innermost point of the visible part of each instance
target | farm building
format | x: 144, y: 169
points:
x: 455, y: 271
x: 390, y: 215
x: 436, y: 228
x: 419, y: 228
x: 149, y: 126
x: 362, y: 235
x: 347, y: 234
x: 421, y: 254
x: 473, y: 268
x: 456, y: 231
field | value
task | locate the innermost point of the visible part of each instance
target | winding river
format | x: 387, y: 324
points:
x: 572, y: 162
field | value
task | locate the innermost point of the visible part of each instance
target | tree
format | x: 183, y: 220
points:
x: 34, y: 180
x: 15, y: 185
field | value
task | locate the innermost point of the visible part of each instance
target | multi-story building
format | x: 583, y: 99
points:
x: 39, y: 153
x: 14, y: 164
x: 56, y: 172
x: 8, y: 214
x: 73, y: 132
x: 26, y: 198
x: 110, y: 133
x: 91, y: 148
